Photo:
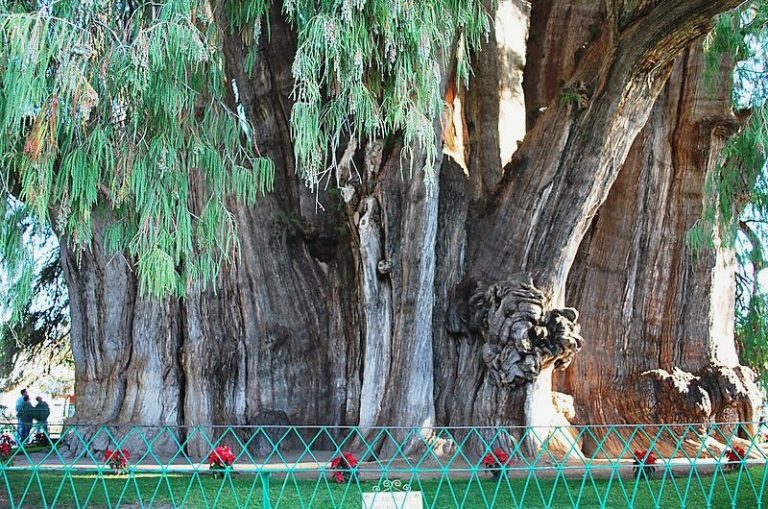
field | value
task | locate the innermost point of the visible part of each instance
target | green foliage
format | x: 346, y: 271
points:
x: 117, y: 118
x: 740, y: 36
x: 113, y: 115
x: 737, y: 209
x: 575, y: 95
x: 751, y: 326
x: 18, y: 233
x: 34, y: 314
x: 119, y: 123
x: 371, y: 68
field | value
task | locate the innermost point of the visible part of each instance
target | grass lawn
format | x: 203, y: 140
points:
x: 27, y: 489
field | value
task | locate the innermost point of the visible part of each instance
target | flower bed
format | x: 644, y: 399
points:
x: 7, y: 443
x: 735, y: 457
x: 645, y: 462
x: 496, y: 461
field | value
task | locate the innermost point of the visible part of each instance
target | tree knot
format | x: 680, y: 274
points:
x: 520, y: 335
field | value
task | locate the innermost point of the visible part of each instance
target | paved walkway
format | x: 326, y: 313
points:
x: 306, y: 467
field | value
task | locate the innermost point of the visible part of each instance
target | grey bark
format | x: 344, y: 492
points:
x: 361, y: 313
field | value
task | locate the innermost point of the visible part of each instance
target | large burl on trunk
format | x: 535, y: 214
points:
x: 399, y: 301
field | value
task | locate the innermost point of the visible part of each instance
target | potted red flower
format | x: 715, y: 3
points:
x: 343, y: 466
x: 496, y: 461
x: 735, y: 457
x: 117, y: 460
x: 645, y: 462
x: 7, y: 444
x: 220, y: 460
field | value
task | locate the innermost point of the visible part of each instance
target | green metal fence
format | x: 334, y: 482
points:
x: 232, y: 467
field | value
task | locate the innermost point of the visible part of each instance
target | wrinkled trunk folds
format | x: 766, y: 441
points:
x: 395, y: 301
x: 662, y: 312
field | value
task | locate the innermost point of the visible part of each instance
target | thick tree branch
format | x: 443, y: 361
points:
x: 579, y: 145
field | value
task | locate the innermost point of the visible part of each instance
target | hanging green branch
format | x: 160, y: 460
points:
x: 113, y: 109
x: 371, y: 68
x: 738, y: 189
x: 100, y: 115
x: 34, y: 313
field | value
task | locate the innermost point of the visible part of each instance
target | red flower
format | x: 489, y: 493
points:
x: 221, y: 457
x: 644, y: 457
x: 346, y: 460
x: 117, y: 459
x: 496, y: 459
x: 6, y: 447
x: 735, y: 455
x: 343, y: 464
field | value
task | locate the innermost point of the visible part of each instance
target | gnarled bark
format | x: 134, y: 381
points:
x: 662, y: 313
x: 561, y: 174
x: 361, y: 311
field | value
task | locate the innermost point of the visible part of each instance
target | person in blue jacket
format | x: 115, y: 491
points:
x: 19, y: 406
x: 26, y: 416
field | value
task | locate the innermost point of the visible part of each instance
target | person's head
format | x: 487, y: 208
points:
x: 39, y: 399
x: 23, y: 392
x: 26, y: 397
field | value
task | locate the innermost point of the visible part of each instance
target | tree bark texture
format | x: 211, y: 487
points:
x: 401, y: 302
x: 662, y: 312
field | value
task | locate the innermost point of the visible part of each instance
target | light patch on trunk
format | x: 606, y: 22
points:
x: 722, y: 304
x: 377, y: 308
x: 511, y: 25
x: 454, y: 128
x: 545, y: 421
x: 540, y: 203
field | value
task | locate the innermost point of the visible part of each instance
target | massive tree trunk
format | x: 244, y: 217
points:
x: 661, y: 312
x: 534, y: 222
x: 397, y: 301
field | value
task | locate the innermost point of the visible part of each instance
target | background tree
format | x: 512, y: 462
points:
x: 35, y: 325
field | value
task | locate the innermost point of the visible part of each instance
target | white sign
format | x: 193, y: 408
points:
x: 393, y: 500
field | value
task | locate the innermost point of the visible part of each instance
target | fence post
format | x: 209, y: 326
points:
x: 265, y: 503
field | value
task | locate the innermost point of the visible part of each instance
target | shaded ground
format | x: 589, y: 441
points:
x: 305, y: 467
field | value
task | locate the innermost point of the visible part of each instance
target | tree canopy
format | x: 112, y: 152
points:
x: 127, y: 110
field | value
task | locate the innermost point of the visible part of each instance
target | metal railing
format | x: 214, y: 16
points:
x: 233, y: 467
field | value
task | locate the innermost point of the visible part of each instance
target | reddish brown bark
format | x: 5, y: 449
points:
x: 556, y: 182
x: 661, y: 313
